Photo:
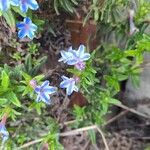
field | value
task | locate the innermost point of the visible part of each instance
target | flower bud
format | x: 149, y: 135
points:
x: 33, y: 84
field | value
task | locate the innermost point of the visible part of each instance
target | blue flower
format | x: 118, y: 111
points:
x: 25, y: 4
x: 27, y: 28
x: 3, y: 132
x: 75, y: 57
x: 5, y: 4
x: 66, y: 56
x: 69, y: 84
x: 44, y: 92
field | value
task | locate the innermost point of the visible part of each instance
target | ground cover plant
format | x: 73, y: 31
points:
x: 51, y: 89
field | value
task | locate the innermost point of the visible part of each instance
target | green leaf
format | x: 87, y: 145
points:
x: 13, y: 98
x: 10, y: 19
x: 13, y: 113
x: 104, y: 108
x: 94, y: 2
x: 37, y: 67
x: 114, y: 101
x: 3, y: 101
x: 135, y: 79
x: 20, y: 88
x: 74, y: 71
x: 75, y: 2
x: 5, y: 80
x: 56, y: 6
x: 37, y: 106
x: 122, y: 77
x: 27, y: 90
x: 17, y: 10
x: 96, y: 14
x: 68, y: 6
x: 148, y: 148
x: 28, y: 63
x: 26, y: 76
x: 92, y: 136
x: 39, y: 77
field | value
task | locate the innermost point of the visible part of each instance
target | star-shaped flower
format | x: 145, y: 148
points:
x: 25, y: 4
x: 3, y: 132
x: 69, y: 84
x: 75, y: 57
x: 67, y: 57
x: 26, y: 28
x: 44, y: 91
x: 5, y: 4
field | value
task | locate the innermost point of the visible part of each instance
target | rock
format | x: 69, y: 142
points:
x: 140, y: 95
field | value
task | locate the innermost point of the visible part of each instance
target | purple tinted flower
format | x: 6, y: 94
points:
x: 75, y: 57
x: 69, y: 84
x: 26, y: 28
x: 25, y: 4
x: 80, y: 65
x: 44, y: 92
x: 5, y: 4
x: 33, y: 84
x: 77, y: 79
x: 3, y: 132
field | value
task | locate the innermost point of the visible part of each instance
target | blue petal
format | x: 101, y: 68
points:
x: 4, y: 138
x: 64, y: 78
x: 70, y: 48
x: 70, y: 88
x: 4, y: 132
x: 30, y: 34
x: 74, y: 52
x: 4, y: 5
x: 72, y: 61
x: 76, y: 88
x: 38, y: 99
x: 33, y: 4
x: 64, y: 83
x: 20, y: 25
x: 33, y: 27
x: 37, y: 89
x: 65, y: 56
x: 81, y: 50
x: 45, y: 84
x: 22, y: 33
x: 45, y: 98
x: 14, y: 2
x: 49, y: 90
x: 2, y: 128
x: 24, y: 7
x: 27, y: 20
x: 85, y: 57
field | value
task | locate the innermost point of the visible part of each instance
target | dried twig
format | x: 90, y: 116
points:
x: 70, y: 133
x: 103, y: 137
x: 77, y: 131
x: 133, y: 111
x: 30, y: 143
x: 92, y: 127
x: 116, y: 117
